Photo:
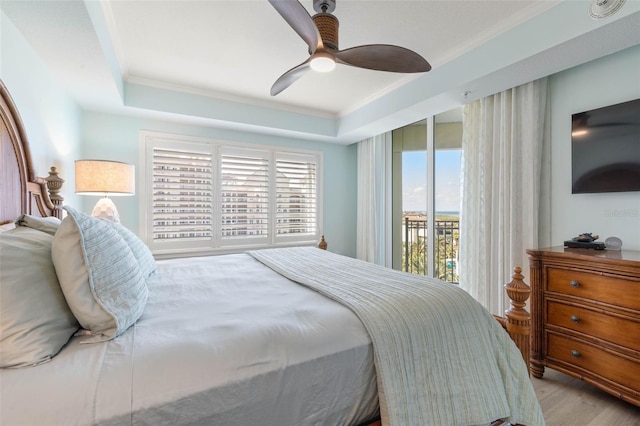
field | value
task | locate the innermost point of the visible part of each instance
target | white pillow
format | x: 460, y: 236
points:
x: 45, y: 224
x: 99, y: 275
x: 140, y: 250
x: 35, y: 320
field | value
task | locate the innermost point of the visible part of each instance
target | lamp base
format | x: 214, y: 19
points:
x: 105, y: 209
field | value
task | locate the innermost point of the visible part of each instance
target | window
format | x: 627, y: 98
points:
x: 203, y: 195
x: 296, y: 203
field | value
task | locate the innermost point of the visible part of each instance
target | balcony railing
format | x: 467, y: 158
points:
x: 414, y: 256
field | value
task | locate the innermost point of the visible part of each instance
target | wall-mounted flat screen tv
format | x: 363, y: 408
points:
x: 605, y: 149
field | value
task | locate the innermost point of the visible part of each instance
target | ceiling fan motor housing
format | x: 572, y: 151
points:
x: 328, y: 26
x: 324, y: 6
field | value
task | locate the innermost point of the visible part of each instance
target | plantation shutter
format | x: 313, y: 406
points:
x: 181, y: 195
x: 296, y: 195
x: 244, y: 193
x: 209, y: 196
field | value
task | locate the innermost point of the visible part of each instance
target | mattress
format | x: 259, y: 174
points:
x: 223, y: 340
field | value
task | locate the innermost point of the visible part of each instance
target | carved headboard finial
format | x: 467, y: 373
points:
x: 54, y: 184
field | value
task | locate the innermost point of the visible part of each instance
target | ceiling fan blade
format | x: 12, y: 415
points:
x: 299, y: 19
x: 290, y: 77
x: 383, y: 57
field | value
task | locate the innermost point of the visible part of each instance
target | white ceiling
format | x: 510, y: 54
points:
x: 213, y: 62
x: 239, y: 48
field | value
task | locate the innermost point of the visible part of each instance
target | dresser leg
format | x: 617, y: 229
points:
x: 536, y: 368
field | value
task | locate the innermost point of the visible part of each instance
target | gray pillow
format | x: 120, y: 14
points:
x: 140, y: 250
x: 45, y: 224
x: 99, y: 275
x: 35, y: 320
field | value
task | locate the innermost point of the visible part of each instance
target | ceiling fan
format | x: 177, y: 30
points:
x: 320, y: 32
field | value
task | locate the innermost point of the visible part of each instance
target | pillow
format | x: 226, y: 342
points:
x: 35, y: 320
x: 99, y: 275
x: 45, y: 224
x: 140, y: 250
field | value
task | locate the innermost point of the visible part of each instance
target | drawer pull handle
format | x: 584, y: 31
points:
x: 575, y: 353
x: 575, y: 284
x: 575, y: 319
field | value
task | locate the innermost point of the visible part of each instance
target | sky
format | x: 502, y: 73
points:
x: 414, y: 180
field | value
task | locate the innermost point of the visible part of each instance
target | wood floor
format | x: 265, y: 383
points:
x: 567, y: 401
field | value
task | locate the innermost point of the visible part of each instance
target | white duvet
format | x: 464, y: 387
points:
x: 223, y: 341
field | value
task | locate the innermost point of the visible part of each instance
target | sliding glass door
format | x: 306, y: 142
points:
x: 426, y: 196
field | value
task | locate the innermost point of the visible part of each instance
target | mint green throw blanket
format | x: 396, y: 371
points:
x: 441, y: 358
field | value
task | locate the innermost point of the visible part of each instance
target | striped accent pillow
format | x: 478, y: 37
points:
x: 99, y: 275
x: 139, y: 249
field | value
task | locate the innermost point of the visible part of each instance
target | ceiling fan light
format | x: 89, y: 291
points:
x: 323, y: 62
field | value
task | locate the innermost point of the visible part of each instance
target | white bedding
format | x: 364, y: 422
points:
x: 223, y: 340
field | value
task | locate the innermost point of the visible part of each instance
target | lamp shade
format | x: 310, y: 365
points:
x: 99, y: 177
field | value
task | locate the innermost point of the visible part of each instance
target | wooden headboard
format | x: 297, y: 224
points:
x: 21, y: 190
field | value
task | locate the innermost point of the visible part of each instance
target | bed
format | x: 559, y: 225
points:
x: 270, y: 337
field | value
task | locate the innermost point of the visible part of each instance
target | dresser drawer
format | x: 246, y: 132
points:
x: 589, y: 285
x: 621, y: 331
x: 580, y: 354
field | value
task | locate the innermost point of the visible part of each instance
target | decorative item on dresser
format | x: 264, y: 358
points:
x: 586, y: 317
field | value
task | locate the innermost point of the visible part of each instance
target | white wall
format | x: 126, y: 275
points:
x: 606, y: 81
x: 50, y: 117
x: 114, y: 137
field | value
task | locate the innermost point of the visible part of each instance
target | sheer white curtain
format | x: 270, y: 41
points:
x: 502, y: 145
x: 374, y: 200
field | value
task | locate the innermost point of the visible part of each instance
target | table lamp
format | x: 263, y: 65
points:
x: 106, y: 178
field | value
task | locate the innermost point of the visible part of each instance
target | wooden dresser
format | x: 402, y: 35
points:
x: 585, y: 308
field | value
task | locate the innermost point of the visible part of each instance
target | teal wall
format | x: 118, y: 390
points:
x: 115, y: 137
x: 60, y: 132
x: 605, y: 81
x: 50, y: 117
